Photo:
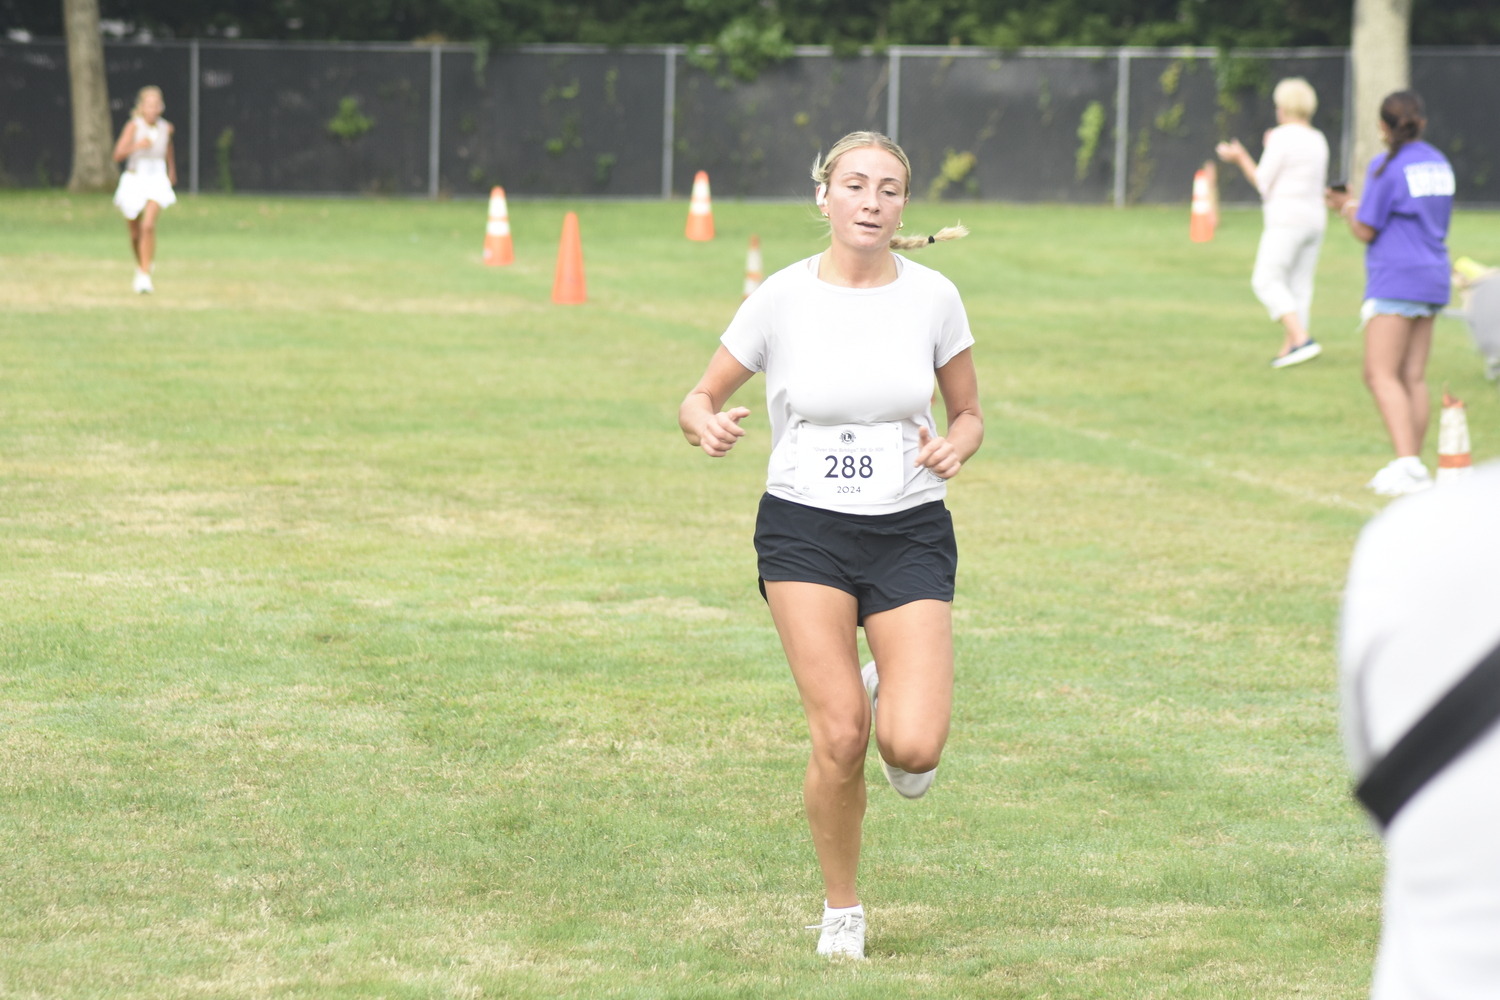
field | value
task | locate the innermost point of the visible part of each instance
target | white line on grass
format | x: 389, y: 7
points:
x: 1206, y: 464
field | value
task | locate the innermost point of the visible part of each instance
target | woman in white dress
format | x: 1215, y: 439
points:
x: 1290, y: 177
x: 145, y: 189
x: 852, y: 530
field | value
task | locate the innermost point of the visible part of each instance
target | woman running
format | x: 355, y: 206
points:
x: 1403, y: 215
x: 1290, y: 177
x: 145, y: 188
x: 852, y: 530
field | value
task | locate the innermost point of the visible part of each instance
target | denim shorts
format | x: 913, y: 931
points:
x: 1405, y: 308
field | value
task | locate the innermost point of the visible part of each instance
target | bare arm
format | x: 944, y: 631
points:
x: 700, y: 416
x: 960, y: 388
x: 1348, y: 208
x: 172, y: 158
x: 127, y: 143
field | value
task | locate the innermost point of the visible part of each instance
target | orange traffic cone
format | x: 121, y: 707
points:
x: 1454, y: 460
x: 567, y: 286
x: 700, y: 225
x: 753, y: 276
x: 497, y: 246
x: 1205, y: 207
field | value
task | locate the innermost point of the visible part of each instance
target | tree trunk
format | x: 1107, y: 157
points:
x: 93, y: 166
x: 1381, y: 51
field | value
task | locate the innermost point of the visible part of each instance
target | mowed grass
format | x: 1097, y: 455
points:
x: 369, y: 630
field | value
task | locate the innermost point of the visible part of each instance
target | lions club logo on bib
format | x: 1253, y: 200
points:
x: 850, y: 463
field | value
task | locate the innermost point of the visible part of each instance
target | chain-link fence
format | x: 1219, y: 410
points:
x: 559, y: 121
x: 1068, y: 125
x: 1181, y: 106
x: 36, y: 127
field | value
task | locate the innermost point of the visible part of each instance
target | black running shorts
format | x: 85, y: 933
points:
x: 884, y: 560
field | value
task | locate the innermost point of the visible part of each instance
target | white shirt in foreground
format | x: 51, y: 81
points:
x: 835, y: 355
x: 1422, y: 607
x: 1291, y: 175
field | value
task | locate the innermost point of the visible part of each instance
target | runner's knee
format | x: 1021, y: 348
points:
x: 842, y: 746
x: 1378, y: 378
x: 916, y: 754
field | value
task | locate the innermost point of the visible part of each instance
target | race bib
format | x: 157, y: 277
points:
x: 850, y: 463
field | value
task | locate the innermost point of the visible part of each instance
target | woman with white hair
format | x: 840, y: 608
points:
x: 1290, y: 177
x: 852, y: 530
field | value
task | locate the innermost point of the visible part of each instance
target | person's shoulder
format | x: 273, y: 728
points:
x: 928, y: 278
x: 1422, y: 151
x: 785, y: 280
x: 1298, y: 132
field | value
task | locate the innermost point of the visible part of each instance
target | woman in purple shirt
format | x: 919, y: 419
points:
x: 1403, y: 215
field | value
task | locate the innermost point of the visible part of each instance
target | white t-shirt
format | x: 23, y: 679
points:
x: 1422, y: 607
x: 1292, y: 172
x: 835, y: 355
x: 152, y: 159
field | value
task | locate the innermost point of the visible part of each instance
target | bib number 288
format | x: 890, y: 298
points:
x: 847, y: 469
x: 850, y: 463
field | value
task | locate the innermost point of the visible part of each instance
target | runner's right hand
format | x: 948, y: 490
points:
x: 720, y: 431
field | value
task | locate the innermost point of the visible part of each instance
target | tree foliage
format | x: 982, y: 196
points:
x: 842, y: 23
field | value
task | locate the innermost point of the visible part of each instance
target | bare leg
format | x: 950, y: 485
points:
x: 134, y: 225
x: 1414, y: 377
x: 146, y: 245
x: 1296, y: 334
x: 817, y: 625
x: 1394, y: 366
x: 913, y: 647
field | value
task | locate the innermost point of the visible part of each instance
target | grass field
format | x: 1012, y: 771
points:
x: 370, y: 631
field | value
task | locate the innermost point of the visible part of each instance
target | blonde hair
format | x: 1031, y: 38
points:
x: 822, y: 170
x: 140, y: 95
x: 1296, y: 97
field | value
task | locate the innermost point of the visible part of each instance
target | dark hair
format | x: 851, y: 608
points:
x: 1405, y: 115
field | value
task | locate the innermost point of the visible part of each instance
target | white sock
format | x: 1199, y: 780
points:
x: 1413, y: 465
x: 839, y: 911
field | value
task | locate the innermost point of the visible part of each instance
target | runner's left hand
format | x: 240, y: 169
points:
x: 937, y: 454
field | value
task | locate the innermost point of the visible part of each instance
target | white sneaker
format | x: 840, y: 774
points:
x: 908, y: 784
x: 843, y: 932
x: 142, y: 284
x: 1400, y: 477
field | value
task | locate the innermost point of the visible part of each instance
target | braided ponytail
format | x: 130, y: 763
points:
x: 957, y: 232
x: 822, y: 170
x: 1405, y: 115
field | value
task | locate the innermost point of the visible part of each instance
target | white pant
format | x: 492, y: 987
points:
x: 1284, y: 266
